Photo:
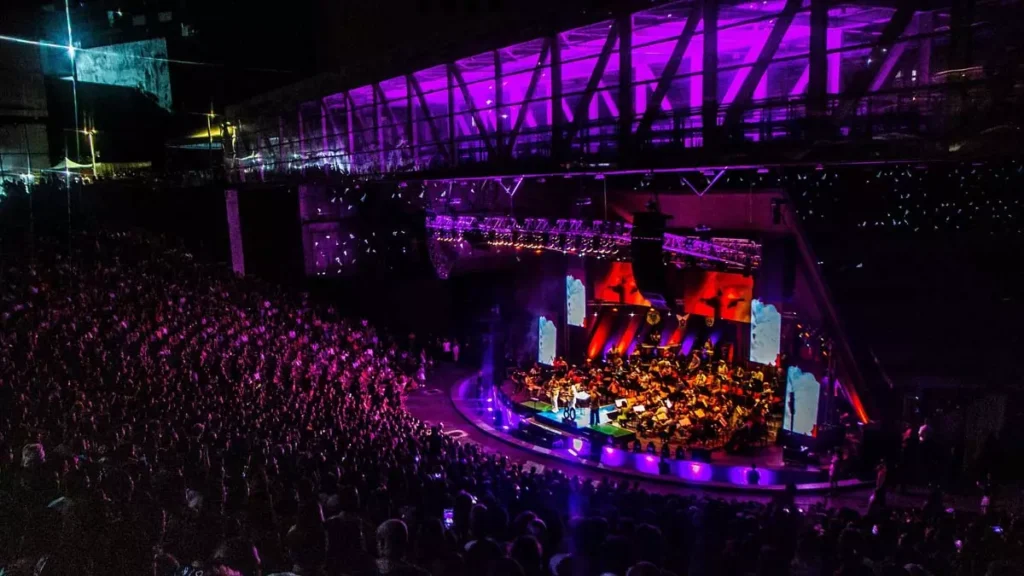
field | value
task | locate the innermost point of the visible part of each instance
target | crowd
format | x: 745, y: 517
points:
x: 160, y: 416
x: 698, y: 400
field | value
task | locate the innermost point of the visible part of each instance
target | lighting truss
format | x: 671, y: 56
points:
x: 589, y: 237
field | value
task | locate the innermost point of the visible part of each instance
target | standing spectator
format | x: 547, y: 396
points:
x: 753, y: 476
x: 833, y: 472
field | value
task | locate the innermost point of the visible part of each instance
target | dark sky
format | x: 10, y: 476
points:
x: 363, y: 39
x: 387, y: 37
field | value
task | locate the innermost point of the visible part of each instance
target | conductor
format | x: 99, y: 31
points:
x: 595, y: 404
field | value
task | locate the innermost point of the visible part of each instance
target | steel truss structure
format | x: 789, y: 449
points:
x: 693, y: 74
x: 595, y: 238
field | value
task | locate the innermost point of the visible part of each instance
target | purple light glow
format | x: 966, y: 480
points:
x: 693, y: 471
x: 738, y: 476
x: 613, y: 458
x: 372, y: 128
x: 647, y: 465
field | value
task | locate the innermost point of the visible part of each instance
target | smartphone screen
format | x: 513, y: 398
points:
x: 449, y: 517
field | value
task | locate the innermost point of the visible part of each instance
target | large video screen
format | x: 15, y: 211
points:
x: 765, y: 333
x: 142, y: 65
x: 802, y: 391
x: 720, y: 295
x: 616, y: 284
x: 547, y: 341
x: 575, y: 301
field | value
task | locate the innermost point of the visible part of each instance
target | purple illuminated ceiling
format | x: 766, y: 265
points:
x: 501, y: 103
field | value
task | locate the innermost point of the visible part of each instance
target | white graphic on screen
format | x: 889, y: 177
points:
x: 547, y: 338
x: 765, y: 332
x: 575, y: 301
x: 801, y: 413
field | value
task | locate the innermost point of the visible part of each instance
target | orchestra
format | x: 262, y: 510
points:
x: 695, y: 400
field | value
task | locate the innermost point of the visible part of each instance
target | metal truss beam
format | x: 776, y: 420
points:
x: 557, y: 115
x: 897, y: 25
x: 499, y: 105
x: 378, y: 133
x: 627, y: 94
x: 670, y: 71
x: 456, y: 75
x: 382, y: 100
x: 511, y: 190
x: 711, y: 183
x: 738, y: 254
x: 414, y: 85
x: 817, y: 65
x: 746, y: 91
x: 588, y: 94
x: 357, y: 124
x: 530, y: 90
x: 892, y: 57
x: 709, y: 76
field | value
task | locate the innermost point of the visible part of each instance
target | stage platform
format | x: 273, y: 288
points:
x: 604, y: 431
x: 532, y: 424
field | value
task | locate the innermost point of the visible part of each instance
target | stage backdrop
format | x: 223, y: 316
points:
x: 719, y: 295
x: 614, y: 283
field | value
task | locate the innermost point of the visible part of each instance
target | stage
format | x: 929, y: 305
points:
x: 533, y: 425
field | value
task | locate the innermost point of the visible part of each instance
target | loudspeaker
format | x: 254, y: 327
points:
x: 700, y: 455
x: 647, y: 240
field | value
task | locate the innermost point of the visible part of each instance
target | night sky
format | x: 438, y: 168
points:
x: 362, y: 40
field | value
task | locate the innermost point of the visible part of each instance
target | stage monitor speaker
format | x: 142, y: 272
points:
x: 700, y: 455
x: 647, y: 242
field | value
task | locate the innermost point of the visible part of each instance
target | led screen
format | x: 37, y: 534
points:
x: 547, y: 338
x: 575, y: 301
x: 141, y: 65
x: 617, y: 285
x: 801, y: 413
x: 719, y: 295
x: 765, y: 333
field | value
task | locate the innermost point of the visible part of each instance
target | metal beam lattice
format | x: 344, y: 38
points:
x: 734, y: 253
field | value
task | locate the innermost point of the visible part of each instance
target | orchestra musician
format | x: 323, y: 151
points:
x: 693, y: 401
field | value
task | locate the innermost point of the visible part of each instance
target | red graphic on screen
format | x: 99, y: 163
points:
x: 720, y: 295
x: 617, y: 285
